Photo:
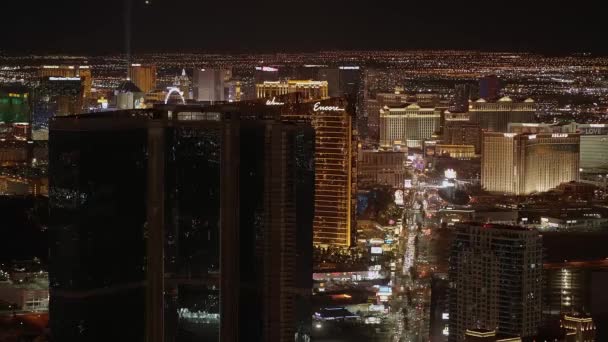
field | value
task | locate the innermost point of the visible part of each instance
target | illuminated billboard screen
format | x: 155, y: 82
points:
x: 376, y: 250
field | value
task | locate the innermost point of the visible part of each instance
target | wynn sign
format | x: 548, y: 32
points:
x: 274, y: 102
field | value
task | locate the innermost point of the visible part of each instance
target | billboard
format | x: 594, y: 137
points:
x: 399, y: 197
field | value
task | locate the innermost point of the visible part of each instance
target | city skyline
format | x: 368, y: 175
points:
x: 181, y: 171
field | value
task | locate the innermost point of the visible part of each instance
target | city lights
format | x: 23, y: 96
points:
x: 298, y: 172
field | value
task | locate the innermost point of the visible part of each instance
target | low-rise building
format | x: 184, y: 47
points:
x: 381, y: 168
x: 580, y: 222
x: 25, y: 291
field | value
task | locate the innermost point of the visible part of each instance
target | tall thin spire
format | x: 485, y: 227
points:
x: 128, y: 5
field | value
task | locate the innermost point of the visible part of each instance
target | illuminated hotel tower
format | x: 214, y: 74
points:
x: 521, y: 164
x: 335, y: 183
x: 335, y: 164
x: 496, y: 116
x: 407, y: 125
x: 310, y: 90
x: 144, y: 76
x: 70, y: 71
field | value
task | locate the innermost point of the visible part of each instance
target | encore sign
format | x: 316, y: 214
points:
x: 317, y: 107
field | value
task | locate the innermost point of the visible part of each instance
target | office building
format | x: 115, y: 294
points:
x: 522, y: 164
x: 208, y: 85
x: 143, y: 76
x: 495, y: 278
x: 381, y: 168
x: 490, y: 87
x: 310, y: 90
x: 179, y: 220
x: 407, y: 125
x: 496, y: 116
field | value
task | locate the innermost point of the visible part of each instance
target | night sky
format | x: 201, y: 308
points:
x: 97, y: 27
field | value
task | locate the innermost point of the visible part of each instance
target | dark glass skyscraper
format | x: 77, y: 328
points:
x: 495, y: 279
x: 489, y: 88
x: 180, y: 224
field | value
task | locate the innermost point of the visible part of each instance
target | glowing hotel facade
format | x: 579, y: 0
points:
x: 407, y: 125
x: 335, y: 167
x: 312, y: 90
x: 521, y: 164
x: 335, y: 153
x: 496, y: 116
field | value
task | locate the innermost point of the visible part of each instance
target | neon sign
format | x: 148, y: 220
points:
x: 268, y: 69
x: 449, y: 174
x: 64, y: 78
x: 274, y: 102
x: 177, y: 91
x: 318, y: 107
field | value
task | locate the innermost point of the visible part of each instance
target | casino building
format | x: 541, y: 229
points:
x: 312, y: 90
x: 407, y: 125
x: 521, y: 164
x: 335, y: 153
